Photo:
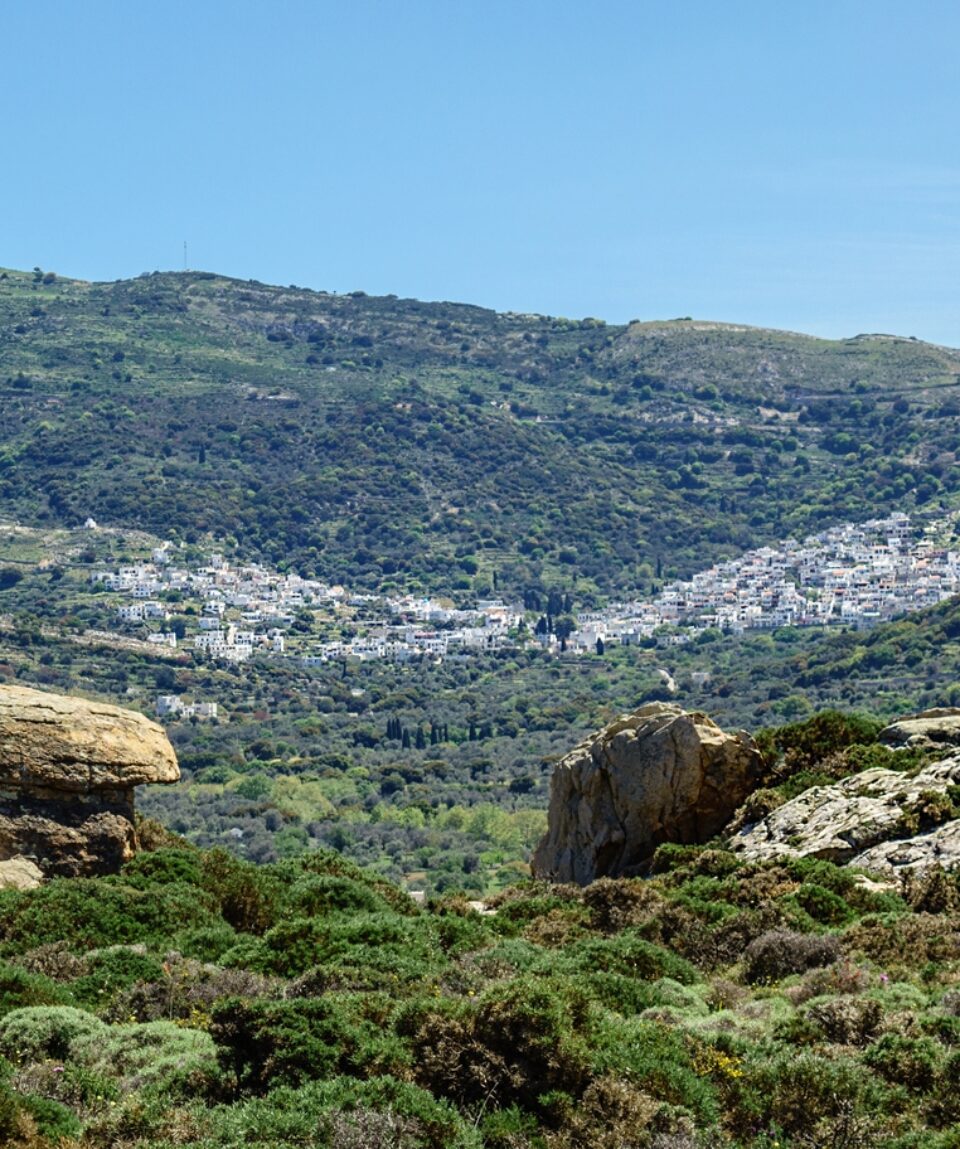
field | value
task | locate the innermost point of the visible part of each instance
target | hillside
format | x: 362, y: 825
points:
x: 302, y: 756
x: 389, y: 442
x: 197, y: 1001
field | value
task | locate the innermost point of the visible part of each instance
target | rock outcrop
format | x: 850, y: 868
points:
x: 870, y: 820
x: 67, y: 772
x: 20, y: 874
x: 658, y: 775
x: 930, y: 729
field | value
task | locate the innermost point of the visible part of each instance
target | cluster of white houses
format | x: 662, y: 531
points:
x: 244, y: 610
x: 854, y: 575
x: 173, y: 706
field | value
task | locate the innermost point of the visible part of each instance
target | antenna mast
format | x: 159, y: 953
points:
x: 184, y: 255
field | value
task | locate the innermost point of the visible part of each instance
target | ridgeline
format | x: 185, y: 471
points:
x: 393, y: 443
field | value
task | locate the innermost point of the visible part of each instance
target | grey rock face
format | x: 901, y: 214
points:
x: 864, y: 820
x: 927, y: 730
x: 658, y: 775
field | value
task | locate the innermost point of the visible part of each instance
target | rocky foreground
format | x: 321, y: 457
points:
x: 662, y: 775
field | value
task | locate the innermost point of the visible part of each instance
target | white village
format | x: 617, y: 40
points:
x: 849, y: 575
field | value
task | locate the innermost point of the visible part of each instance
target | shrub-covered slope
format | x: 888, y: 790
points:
x: 198, y: 1001
x: 382, y: 440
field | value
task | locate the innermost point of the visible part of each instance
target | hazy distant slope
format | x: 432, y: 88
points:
x: 437, y: 444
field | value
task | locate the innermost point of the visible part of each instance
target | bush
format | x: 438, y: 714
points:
x: 625, y: 953
x: 266, y: 1044
x: 171, y: 1059
x: 321, y: 894
x: 618, y: 903
x: 38, y: 1032
x: 847, y: 1020
x: 521, y: 1040
x: 779, y: 953
x: 804, y: 744
x: 381, y: 941
x: 823, y: 905
x: 904, y: 940
x: 90, y: 913
x: 911, y: 1061
x: 250, y: 898
x: 113, y: 970
x: 53, y: 1120
x: 162, y: 867
x: 801, y: 1093
x: 311, y: 1115
x: 658, y: 1059
x: 19, y: 988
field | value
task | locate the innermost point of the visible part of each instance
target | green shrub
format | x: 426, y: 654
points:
x: 250, y: 898
x: 823, y: 905
x: 53, y: 1120
x: 206, y: 943
x: 163, y: 867
x: 801, y: 1093
x: 625, y: 953
x: 380, y: 941
x: 509, y: 1128
x: 322, y: 894
x: 157, y: 1055
x: 822, y: 873
x: 19, y: 988
x: 615, y: 991
x: 847, y: 1020
x: 310, y: 1116
x: 265, y: 1044
x: 113, y: 970
x: 522, y: 1039
x: 658, y: 1059
x: 804, y: 744
x: 907, y: 940
x: 911, y: 1061
x: 670, y: 856
x: 41, y: 1031
x: 615, y: 904
x: 90, y: 913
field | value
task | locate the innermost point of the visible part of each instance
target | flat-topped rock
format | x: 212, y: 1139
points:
x: 68, y: 768
x: 70, y: 744
x: 657, y: 775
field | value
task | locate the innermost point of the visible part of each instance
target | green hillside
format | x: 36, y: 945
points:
x: 393, y: 442
x: 200, y: 1002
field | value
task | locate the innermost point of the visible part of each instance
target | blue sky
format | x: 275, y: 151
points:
x: 779, y: 163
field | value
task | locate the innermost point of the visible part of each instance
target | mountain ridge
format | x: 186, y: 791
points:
x: 450, y: 447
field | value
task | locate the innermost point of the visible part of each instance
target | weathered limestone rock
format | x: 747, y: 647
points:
x: 939, y: 847
x: 927, y: 730
x: 658, y: 775
x: 67, y: 772
x: 865, y: 820
x: 20, y: 874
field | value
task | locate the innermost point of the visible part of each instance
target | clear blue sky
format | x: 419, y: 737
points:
x: 777, y: 162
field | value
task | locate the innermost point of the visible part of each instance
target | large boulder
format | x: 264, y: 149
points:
x: 870, y: 820
x: 67, y: 772
x: 658, y: 775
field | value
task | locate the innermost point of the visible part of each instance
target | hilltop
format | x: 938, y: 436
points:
x: 390, y: 442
